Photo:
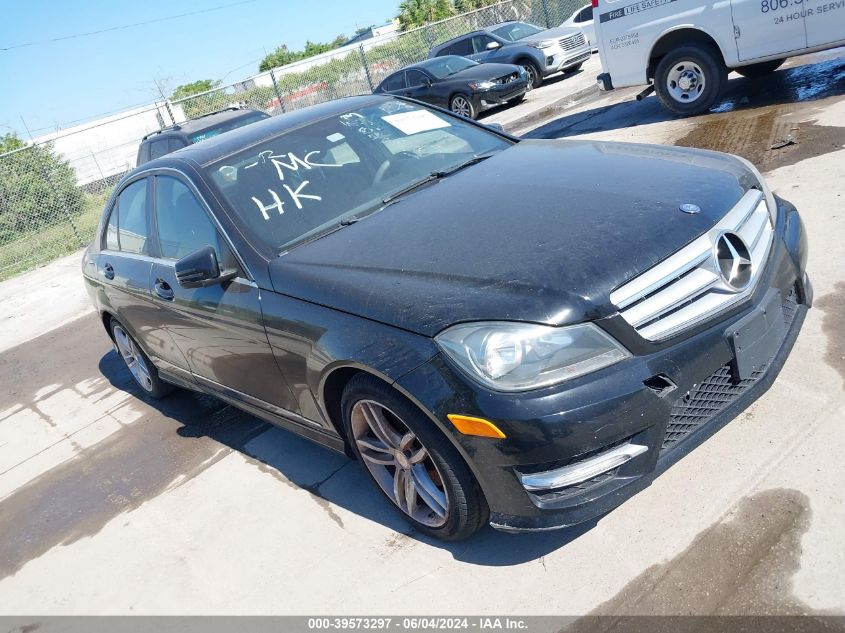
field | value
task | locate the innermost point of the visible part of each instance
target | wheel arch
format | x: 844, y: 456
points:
x: 106, y: 319
x: 525, y: 58
x: 331, y: 394
x: 676, y: 37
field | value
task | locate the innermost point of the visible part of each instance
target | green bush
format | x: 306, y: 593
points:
x: 37, y: 189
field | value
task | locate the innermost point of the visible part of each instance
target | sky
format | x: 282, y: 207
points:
x: 59, y: 84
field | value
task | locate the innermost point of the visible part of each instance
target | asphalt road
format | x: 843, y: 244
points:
x: 110, y: 504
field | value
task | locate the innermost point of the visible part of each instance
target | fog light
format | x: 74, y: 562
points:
x: 475, y: 426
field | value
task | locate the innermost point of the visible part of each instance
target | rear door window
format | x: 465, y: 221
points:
x: 111, y: 241
x: 461, y: 47
x: 133, y: 219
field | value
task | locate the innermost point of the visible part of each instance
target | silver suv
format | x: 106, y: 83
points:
x: 541, y: 52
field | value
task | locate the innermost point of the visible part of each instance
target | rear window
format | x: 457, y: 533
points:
x: 196, y: 137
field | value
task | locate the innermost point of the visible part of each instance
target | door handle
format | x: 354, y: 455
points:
x: 163, y: 290
x: 108, y: 271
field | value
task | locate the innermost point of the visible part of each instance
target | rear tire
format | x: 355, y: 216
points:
x: 690, y: 79
x: 138, y: 363
x: 755, y: 71
x: 445, y: 499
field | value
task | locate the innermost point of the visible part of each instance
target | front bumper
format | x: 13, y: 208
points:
x: 500, y: 94
x: 561, y: 60
x: 552, y: 428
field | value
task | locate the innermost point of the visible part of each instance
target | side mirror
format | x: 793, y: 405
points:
x: 426, y: 82
x: 492, y: 46
x: 201, y: 269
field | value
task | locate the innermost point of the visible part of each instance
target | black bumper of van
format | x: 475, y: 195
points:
x: 604, y: 82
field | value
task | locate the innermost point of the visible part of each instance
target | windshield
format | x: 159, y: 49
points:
x: 313, y: 178
x: 196, y: 137
x: 516, y: 31
x: 448, y: 65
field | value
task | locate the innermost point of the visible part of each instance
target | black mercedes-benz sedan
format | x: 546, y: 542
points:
x: 376, y: 275
x: 462, y: 85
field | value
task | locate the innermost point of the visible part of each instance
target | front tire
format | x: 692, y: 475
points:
x: 535, y: 77
x: 755, y: 71
x: 411, y: 462
x: 689, y: 80
x: 138, y: 363
x: 462, y: 106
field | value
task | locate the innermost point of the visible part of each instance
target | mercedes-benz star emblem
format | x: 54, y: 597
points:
x: 690, y: 208
x: 733, y: 259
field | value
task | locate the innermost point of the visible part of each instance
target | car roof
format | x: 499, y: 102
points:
x: 217, y: 147
x: 204, y: 122
x: 424, y: 64
x: 486, y: 29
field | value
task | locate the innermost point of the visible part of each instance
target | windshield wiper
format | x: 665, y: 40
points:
x: 433, y: 176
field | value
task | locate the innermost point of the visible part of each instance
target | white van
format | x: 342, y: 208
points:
x: 686, y: 47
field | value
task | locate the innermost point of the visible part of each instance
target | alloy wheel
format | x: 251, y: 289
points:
x: 532, y: 77
x: 133, y: 358
x: 399, y: 463
x: 462, y: 107
x: 686, y: 81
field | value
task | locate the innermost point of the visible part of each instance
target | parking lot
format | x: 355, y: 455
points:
x: 111, y: 504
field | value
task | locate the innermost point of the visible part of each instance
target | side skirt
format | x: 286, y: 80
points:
x: 268, y: 412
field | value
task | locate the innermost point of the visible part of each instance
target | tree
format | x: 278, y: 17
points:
x: 37, y: 188
x: 414, y: 13
x: 195, y: 88
x: 283, y: 56
x: 463, y: 6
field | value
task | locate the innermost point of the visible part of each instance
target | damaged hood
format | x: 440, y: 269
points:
x: 541, y: 232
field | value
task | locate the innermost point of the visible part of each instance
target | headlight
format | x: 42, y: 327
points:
x: 543, y: 44
x: 521, y: 356
x: 770, y: 198
x: 482, y: 85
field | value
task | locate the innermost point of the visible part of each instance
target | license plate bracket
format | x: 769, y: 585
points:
x: 757, y: 337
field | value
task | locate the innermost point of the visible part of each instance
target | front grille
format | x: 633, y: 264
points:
x: 507, y: 78
x: 687, y: 288
x: 716, y: 392
x: 573, y: 41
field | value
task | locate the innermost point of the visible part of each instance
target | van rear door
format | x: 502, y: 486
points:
x: 767, y: 27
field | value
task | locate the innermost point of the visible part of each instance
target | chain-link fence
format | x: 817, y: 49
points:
x: 52, y: 192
